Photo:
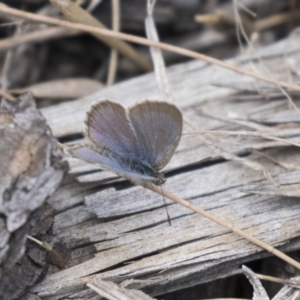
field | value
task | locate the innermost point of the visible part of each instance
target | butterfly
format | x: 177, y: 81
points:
x: 135, y: 143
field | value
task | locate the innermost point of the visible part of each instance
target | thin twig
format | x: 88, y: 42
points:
x: 38, y: 36
x: 7, y: 96
x: 240, y: 28
x: 276, y: 20
x: 279, y: 163
x: 202, y: 212
x: 79, y: 16
x: 46, y: 246
x: 113, y: 61
x: 156, y: 54
x: 4, y: 80
x: 93, y: 4
x: 246, y: 9
x: 143, y: 41
x: 244, y: 133
x: 9, y: 24
x: 246, y: 162
x: 291, y: 282
x: 229, y: 226
x: 5, y: 69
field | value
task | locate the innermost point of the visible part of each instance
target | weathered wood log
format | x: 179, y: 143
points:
x: 111, y: 291
x: 30, y: 171
x: 120, y: 233
x: 288, y: 292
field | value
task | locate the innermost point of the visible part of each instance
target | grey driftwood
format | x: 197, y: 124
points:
x: 120, y: 233
x: 31, y: 169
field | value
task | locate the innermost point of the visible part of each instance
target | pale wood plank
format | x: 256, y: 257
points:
x: 122, y: 233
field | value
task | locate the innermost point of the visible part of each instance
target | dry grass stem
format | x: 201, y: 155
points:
x: 244, y: 133
x: 279, y: 163
x: 38, y: 36
x: 276, y: 20
x: 224, y: 224
x: 146, y: 42
x: 241, y: 30
x: 112, y: 291
x: 202, y: 212
x: 7, y: 96
x: 230, y: 156
x: 113, y: 61
x: 290, y: 282
x: 156, y: 53
x: 93, y: 4
x: 76, y: 14
x: 5, y: 70
x: 46, y: 246
x: 68, y: 88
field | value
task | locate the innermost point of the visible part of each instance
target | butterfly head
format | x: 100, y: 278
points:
x: 159, y: 179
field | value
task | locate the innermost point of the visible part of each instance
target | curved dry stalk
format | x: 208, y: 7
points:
x: 156, y: 53
x: 241, y: 31
x: 46, y: 246
x: 7, y: 96
x: 290, y: 282
x: 202, y: 212
x: 276, y: 20
x: 143, y: 41
x: 224, y: 224
x: 231, y: 156
x: 113, y: 61
x: 79, y: 16
x: 38, y: 36
x: 245, y: 133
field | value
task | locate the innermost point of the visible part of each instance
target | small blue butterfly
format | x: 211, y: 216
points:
x: 134, y: 143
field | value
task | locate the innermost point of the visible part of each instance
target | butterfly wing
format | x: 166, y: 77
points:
x: 105, y: 159
x: 108, y: 127
x: 157, y: 126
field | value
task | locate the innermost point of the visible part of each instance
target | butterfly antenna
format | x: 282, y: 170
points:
x: 189, y: 165
x: 169, y: 219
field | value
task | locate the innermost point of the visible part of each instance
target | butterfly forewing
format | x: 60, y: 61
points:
x: 157, y: 126
x: 102, y: 157
x: 109, y: 128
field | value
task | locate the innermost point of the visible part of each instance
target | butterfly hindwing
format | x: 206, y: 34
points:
x: 102, y: 157
x: 157, y: 126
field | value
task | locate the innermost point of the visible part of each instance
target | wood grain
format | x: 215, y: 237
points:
x: 30, y: 170
x: 120, y: 233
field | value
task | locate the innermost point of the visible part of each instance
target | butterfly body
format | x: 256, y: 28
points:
x: 136, y: 143
x: 143, y: 168
x: 137, y: 166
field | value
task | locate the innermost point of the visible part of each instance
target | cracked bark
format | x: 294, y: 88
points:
x: 30, y: 170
